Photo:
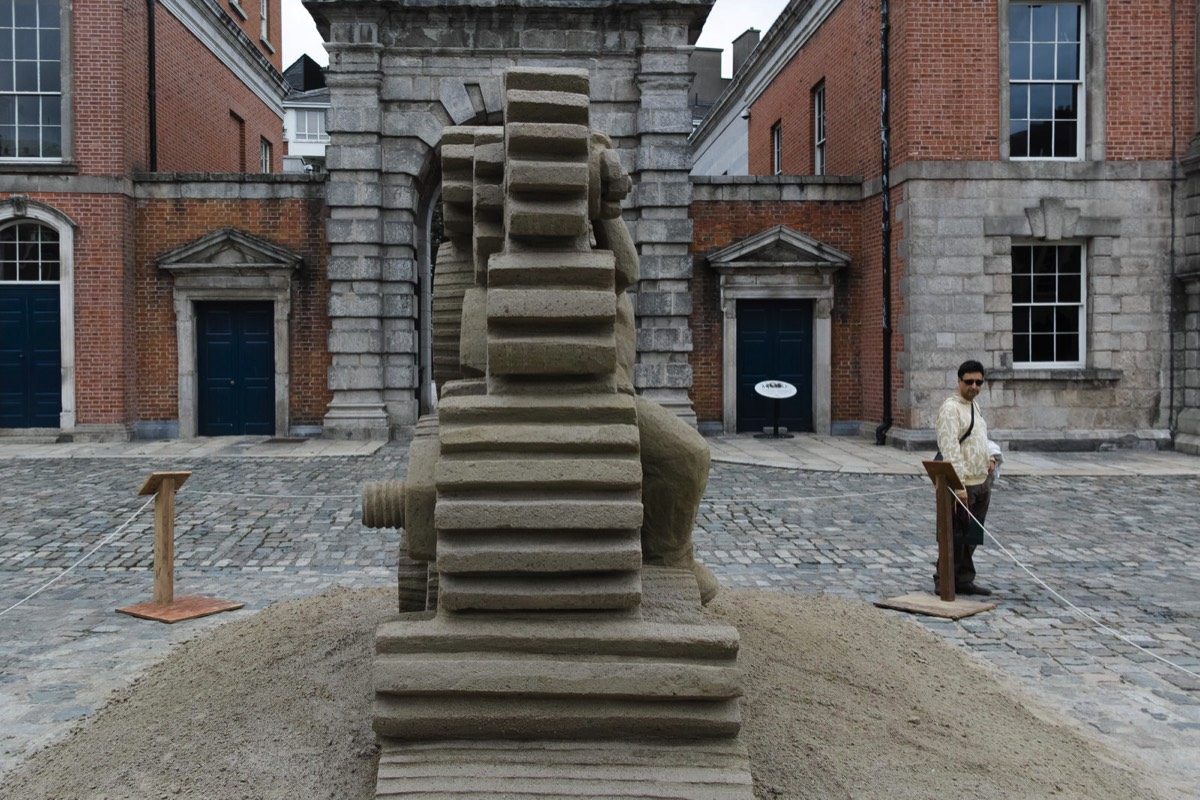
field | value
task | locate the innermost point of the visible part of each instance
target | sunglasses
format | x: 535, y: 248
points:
x: 971, y: 382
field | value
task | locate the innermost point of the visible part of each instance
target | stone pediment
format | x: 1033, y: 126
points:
x: 779, y: 247
x: 228, y: 249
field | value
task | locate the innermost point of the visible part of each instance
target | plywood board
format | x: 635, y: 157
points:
x: 182, y: 608
x: 932, y: 606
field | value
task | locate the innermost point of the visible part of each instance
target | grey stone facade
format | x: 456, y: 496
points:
x: 1187, y: 304
x: 960, y: 222
x: 399, y: 73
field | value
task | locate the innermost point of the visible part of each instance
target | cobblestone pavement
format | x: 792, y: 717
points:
x: 1122, y: 548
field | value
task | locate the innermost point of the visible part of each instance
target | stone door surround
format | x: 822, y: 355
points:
x: 230, y: 265
x: 779, y: 264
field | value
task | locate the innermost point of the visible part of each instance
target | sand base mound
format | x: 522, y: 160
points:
x: 842, y: 701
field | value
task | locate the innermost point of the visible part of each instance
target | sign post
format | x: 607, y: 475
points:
x: 945, y: 480
x: 776, y: 391
x: 164, y: 607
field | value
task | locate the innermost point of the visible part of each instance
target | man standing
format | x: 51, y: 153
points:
x: 962, y: 439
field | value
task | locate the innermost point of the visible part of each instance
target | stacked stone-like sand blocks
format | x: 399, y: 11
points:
x: 552, y: 662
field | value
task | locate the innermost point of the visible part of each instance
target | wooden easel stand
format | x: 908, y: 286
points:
x: 945, y: 481
x: 164, y: 607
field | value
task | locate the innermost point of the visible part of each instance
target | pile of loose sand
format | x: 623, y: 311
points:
x: 842, y: 701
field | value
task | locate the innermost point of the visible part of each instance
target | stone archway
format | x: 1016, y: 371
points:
x: 398, y: 75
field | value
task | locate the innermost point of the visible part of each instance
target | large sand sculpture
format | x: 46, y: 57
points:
x: 553, y: 595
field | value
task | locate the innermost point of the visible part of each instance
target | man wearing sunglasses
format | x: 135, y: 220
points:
x: 963, y: 441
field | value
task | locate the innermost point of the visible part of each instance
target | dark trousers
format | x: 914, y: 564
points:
x: 978, y: 499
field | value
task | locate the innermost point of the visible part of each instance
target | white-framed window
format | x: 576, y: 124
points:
x: 777, y: 148
x: 264, y: 21
x: 310, y: 126
x: 1049, y: 305
x: 818, y: 107
x: 31, y: 124
x: 264, y: 155
x: 29, y: 253
x: 1047, y: 94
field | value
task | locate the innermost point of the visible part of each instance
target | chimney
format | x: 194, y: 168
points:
x: 743, y: 46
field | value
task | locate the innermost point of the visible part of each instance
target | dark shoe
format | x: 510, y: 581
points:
x: 973, y: 588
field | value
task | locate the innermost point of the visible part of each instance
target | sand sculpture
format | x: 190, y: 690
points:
x: 547, y: 510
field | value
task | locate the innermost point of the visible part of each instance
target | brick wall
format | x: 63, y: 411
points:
x: 297, y: 224
x: 1138, y: 78
x: 848, y: 62
x: 109, y: 86
x: 197, y: 96
x: 945, y: 86
x: 252, y: 25
x: 945, y: 80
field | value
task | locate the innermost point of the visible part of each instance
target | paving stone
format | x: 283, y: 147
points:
x: 1119, y: 545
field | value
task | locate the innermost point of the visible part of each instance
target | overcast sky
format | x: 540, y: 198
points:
x: 727, y: 21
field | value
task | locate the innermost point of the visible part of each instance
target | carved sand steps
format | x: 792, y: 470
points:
x: 664, y: 672
x: 636, y: 769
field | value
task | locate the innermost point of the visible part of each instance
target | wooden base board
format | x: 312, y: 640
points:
x: 933, y: 606
x: 182, y: 608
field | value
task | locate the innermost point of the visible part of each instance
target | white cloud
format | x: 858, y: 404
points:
x: 300, y: 35
x: 728, y: 20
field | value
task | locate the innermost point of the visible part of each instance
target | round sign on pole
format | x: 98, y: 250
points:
x: 776, y: 390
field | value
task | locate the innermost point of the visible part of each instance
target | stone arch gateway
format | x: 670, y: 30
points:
x: 398, y: 74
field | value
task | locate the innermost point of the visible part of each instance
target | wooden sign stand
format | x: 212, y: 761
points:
x: 945, y: 480
x: 165, y: 607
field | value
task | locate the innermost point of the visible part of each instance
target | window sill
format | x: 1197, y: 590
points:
x: 237, y: 7
x: 1049, y: 374
x: 267, y: 45
x: 39, y: 168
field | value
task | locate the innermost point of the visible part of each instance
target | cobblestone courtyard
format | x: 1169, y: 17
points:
x: 1123, y: 550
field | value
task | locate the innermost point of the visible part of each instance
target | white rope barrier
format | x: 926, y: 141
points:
x: 273, y: 496
x: 85, y: 557
x: 805, y: 499
x: 1064, y: 600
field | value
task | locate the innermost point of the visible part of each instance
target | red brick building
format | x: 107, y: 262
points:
x: 142, y: 249
x: 1035, y: 210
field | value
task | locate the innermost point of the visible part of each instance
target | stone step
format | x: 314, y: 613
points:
x: 594, y: 268
x: 558, y: 677
x: 540, y: 105
x: 564, y: 309
x: 549, y: 474
x: 538, y: 551
x: 534, y: 511
x: 645, y: 769
x: 548, y: 139
x: 533, y: 438
x: 530, y: 216
x: 559, y: 633
x: 548, y: 177
x: 407, y: 717
x: 585, y: 409
x: 594, y: 591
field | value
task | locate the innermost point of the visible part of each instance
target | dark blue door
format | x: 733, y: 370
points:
x: 235, y: 369
x: 30, y: 356
x: 774, y: 343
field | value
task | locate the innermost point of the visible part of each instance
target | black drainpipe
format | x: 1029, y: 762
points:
x: 886, y: 268
x: 152, y: 82
x: 1172, y: 324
